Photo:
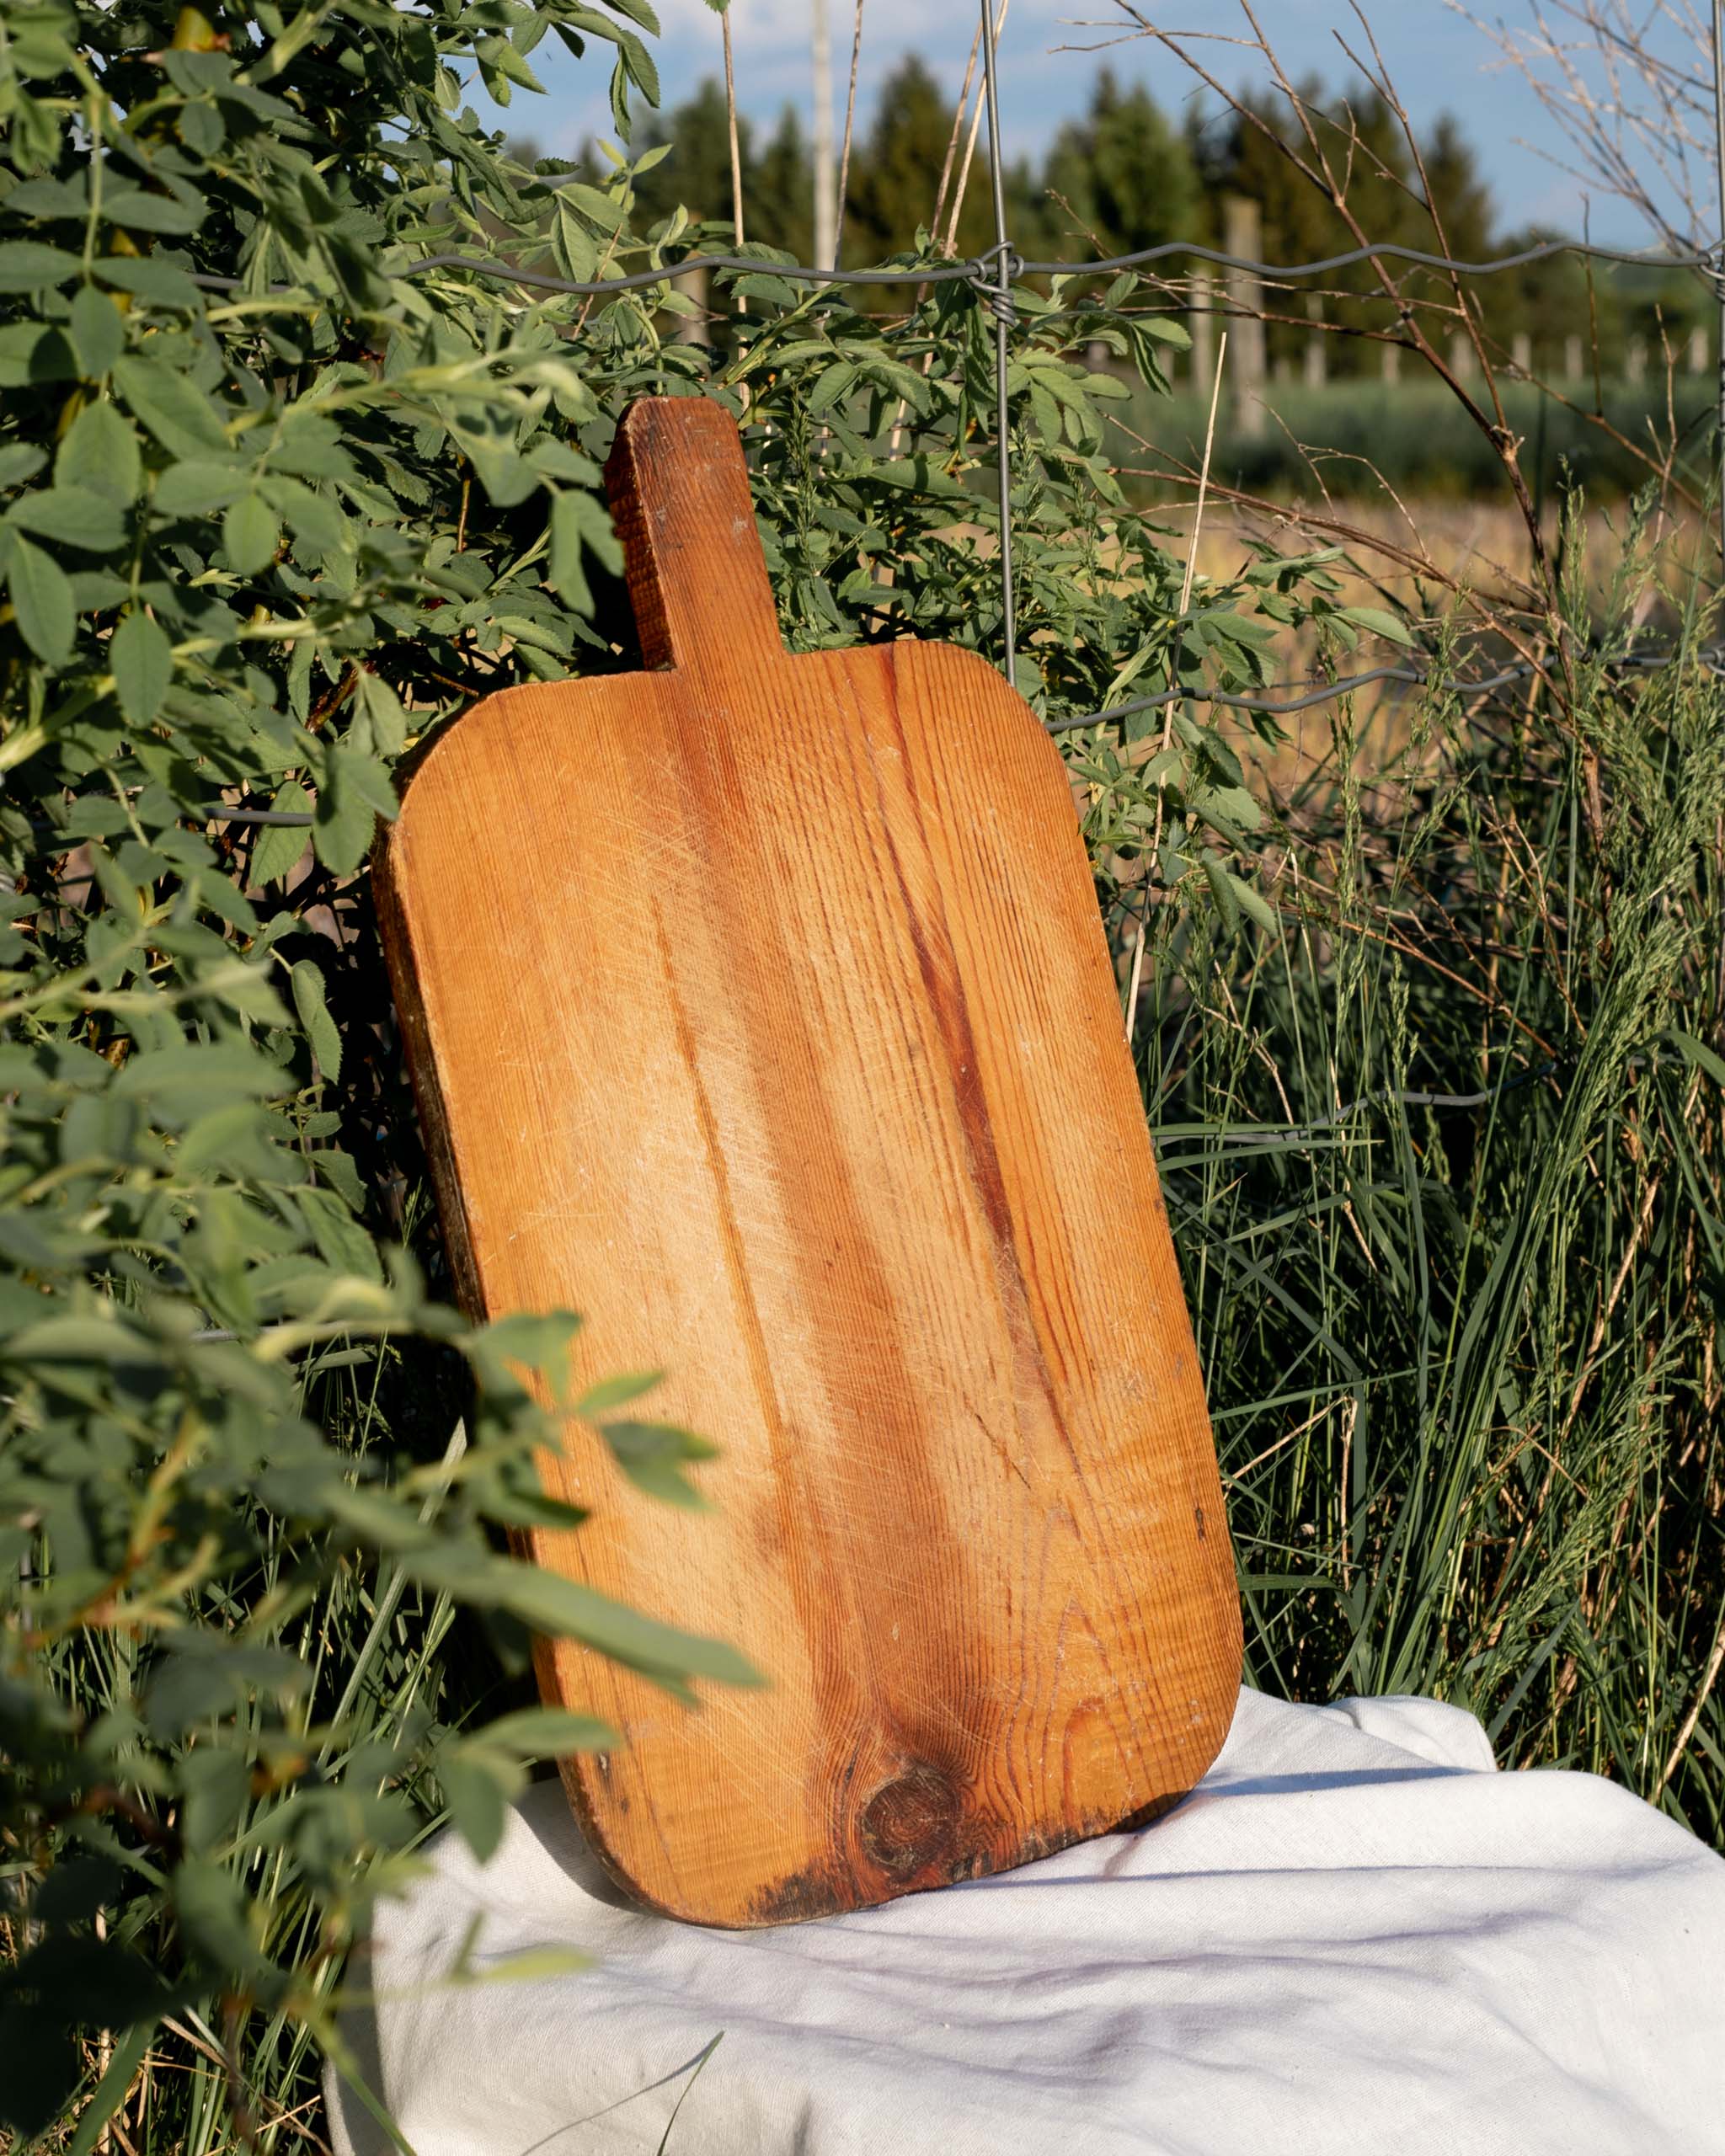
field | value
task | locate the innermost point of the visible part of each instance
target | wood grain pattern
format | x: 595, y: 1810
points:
x: 760, y: 1010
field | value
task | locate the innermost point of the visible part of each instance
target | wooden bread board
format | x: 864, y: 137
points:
x: 759, y: 1009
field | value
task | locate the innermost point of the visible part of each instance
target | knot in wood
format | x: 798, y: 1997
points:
x: 911, y: 1824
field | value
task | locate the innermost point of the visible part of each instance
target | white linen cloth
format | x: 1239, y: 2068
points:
x: 1355, y: 1935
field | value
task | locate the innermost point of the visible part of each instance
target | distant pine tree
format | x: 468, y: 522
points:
x: 1122, y: 177
x: 780, y: 210
x: 1362, y: 140
x: 697, y: 175
x: 895, y: 178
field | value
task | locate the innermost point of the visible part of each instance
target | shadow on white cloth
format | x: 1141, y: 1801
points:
x: 1355, y: 1936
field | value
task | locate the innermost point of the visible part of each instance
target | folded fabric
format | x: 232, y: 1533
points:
x: 1355, y: 1936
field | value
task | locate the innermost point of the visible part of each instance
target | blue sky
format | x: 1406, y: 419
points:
x: 1439, y: 62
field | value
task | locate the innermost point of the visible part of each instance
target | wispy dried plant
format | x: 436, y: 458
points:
x: 1628, y: 85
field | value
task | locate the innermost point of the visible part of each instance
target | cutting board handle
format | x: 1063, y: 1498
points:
x: 679, y: 491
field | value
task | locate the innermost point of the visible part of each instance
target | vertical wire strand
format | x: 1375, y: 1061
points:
x: 1719, y: 249
x: 1003, y: 320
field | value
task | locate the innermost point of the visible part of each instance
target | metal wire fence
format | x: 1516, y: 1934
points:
x: 992, y: 276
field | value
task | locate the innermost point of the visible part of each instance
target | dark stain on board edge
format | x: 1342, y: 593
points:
x: 910, y: 1804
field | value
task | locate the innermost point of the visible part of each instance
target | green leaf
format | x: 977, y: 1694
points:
x: 1221, y: 889
x: 501, y: 56
x: 44, y: 2067
x: 547, y: 1733
x: 356, y: 791
x: 97, y: 331
x: 178, y: 415
x: 198, y: 486
x: 1253, y: 904
x: 538, y: 1339
x: 279, y: 848
x: 97, y: 591
x: 383, y: 711
x: 567, y: 578
x: 79, y: 1340
x: 550, y: 1603
x: 652, y: 1454
x: 100, y: 453
x: 201, y: 129
x: 832, y: 383
x: 599, y: 532
x: 308, y: 999
x: 605, y: 212
x: 1697, y: 1053
x: 41, y: 598
x: 30, y: 353
x: 187, y: 1688
x: 141, y: 660
x: 162, y: 284
x: 1381, y: 622
x: 313, y: 517
x: 251, y: 535
x: 186, y: 1079
x: 616, y: 1392
x: 30, y: 265
x: 478, y: 1795
x: 77, y: 517
x: 342, y: 1243
x: 1237, y: 628
x: 141, y: 212
x: 76, y: 1889
x: 214, y: 1783
x: 51, y: 197
x: 211, y: 1907
x: 343, y: 828
x: 338, y: 1169
x: 230, y: 1139
x: 1230, y: 808
x: 19, y: 460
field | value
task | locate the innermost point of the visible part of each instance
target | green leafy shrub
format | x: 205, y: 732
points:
x: 274, y: 501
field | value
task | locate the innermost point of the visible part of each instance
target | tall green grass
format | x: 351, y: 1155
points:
x: 1445, y: 1160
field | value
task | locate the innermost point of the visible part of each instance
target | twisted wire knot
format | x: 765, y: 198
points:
x: 1711, y: 265
x: 992, y: 273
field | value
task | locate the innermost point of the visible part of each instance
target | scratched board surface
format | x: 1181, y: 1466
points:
x: 760, y: 1010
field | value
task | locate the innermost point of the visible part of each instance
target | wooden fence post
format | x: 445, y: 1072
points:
x: 1242, y: 233
x: 1317, y: 351
x: 1203, y: 331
